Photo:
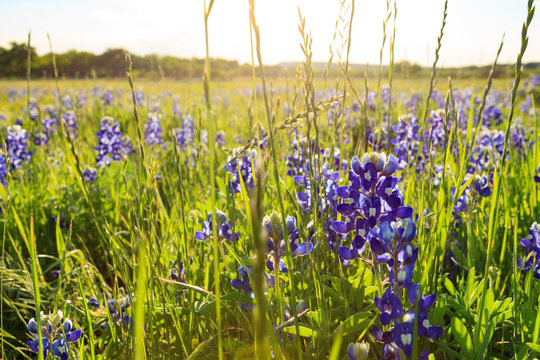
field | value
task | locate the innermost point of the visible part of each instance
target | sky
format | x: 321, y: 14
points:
x: 176, y: 27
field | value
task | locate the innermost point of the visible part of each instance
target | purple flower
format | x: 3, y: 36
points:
x: 153, y: 133
x: 112, y: 143
x: 17, y: 146
x: 242, y: 283
x: 223, y: 226
x: 390, y: 307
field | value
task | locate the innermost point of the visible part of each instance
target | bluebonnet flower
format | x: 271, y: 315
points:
x: 358, y: 351
x: 40, y: 138
x: 325, y: 190
x: 34, y: 110
x: 487, y: 152
x: 3, y: 168
x: 71, y: 123
x: 262, y: 143
x: 81, y: 100
x: 535, y: 81
x: 49, y: 127
x: 176, y: 108
x: 242, y: 283
x: 2, y: 117
x: 298, y: 163
x: 185, y: 135
x: 139, y: 97
x: 55, y: 336
x: 153, y: 133
x: 526, y: 106
x: 107, y: 97
x: 112, y: 143
x: 537, y: 177
x: 518, y: 138
x: 371, y: 198
x: 240, y: 167
x: 220, y: 138
x: 390, y: 307
x: 274, y: 232
x: 223, y: 226
x: 67, y: 101
x: 532, y: 246
x: 492, y: 112
x: 178, y: 271
x: 406, y: 140
x: 17, y: 146
x: 113, y: 310
x: 63, y: 222
x: 481, y: 185
x: 90, y: 174
x: 372, y: 210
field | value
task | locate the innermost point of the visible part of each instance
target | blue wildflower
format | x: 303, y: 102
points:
x: 112, y: 143
x: 153, y: 133
x: 223, y: 226
x: 17, y: 146
x: 55, y: 337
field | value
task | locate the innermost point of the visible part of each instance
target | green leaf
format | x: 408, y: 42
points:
x: 303, y: 331
x: 353, y: 324
x: 461, y: 334
x: 534, y: 347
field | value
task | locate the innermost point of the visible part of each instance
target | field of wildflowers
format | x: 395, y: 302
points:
x: 306, y: 219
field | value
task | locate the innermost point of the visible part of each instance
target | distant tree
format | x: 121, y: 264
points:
x: 13, y: 60
x: 111, y: 63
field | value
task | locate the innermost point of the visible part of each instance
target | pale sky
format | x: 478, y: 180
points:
x: 175, y: 27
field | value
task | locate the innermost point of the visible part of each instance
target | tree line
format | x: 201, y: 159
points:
x: 110, y: 64
x: 75, y: 64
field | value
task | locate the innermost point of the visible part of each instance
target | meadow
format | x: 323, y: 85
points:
x: 314, y: 217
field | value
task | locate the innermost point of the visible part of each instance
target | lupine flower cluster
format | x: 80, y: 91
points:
x: 139, y: 97
x: 276, y: 250
x: 153, y: 133
x: 17, y: 146
x: 48, y: 124
x: 372, y: 210
x: 298, y: 162
x: 274, y: 233
x: 406, y: 140
x: 220, y: 138
x: 223, y: 226
x: 3, y: 168
x: 34, y: 111
x: 531, y: 244
x: 481, y: 188
x: 113, y: 310
x: 488, y: 151
x: 55, y: 337
x: 67, y: 101
x: 328, y: 199
x: 178, y: 271
x: 371, y: 198
x: 107, y: 97
x: 71, y: 123
x: 240, y: 167
x: 90, y: 174
x: 260, y: 143
x: 112, y: 143
x: 186, y: 134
